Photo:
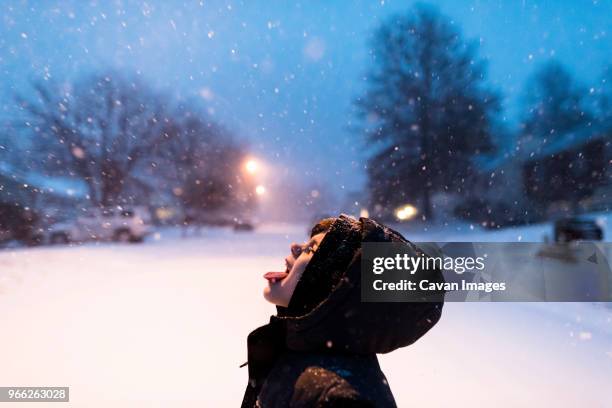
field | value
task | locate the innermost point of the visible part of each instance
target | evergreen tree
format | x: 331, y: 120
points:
x: 564, y: 154
x: 603, y: 100
x: 555, y: 105
x: 427, y: 111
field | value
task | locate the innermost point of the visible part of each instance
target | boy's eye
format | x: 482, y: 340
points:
x: 309, y: 249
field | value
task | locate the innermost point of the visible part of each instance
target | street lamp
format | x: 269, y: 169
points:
x: 260, y: 190
x: 406, y: 212
x: 251, y: 166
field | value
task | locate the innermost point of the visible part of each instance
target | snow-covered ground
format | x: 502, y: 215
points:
x: 164, y: 323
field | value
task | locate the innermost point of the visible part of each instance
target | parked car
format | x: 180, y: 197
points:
x: 575, y: 229
x: 218, y: 219
x: 243, y: 225
x: 121, y: 225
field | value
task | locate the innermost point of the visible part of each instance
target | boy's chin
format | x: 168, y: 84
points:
x: 270, y: 295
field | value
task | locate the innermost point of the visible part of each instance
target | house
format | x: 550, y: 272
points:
x: 52, y: 197
x: 571, y: 173
x: 534, y: 180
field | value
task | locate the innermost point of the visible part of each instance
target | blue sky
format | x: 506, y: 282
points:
x: 283, y: 74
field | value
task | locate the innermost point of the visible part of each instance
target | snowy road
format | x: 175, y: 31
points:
x: 163, y: 324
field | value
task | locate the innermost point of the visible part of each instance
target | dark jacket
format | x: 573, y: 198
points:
x: 327, y: 356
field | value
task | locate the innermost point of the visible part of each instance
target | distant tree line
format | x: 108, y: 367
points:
x: 430, y: 118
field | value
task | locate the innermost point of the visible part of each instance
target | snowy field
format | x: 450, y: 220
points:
x: 164, y: 324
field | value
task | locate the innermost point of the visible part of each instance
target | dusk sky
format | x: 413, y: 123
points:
x: 283, y: 74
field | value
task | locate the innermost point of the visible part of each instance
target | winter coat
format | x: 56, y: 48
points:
x: 327, y: 357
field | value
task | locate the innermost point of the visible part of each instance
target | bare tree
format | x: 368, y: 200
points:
x: 205, y: 166
x: 106, y: 129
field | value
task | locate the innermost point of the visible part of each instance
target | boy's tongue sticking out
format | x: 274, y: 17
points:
x: 275, y: 276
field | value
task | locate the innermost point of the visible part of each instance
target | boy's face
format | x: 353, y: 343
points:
x: 282, y: 284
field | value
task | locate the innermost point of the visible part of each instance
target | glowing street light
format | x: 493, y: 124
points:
x: 251, y: 166
x: 406, y: 212
x: 260, y: 190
